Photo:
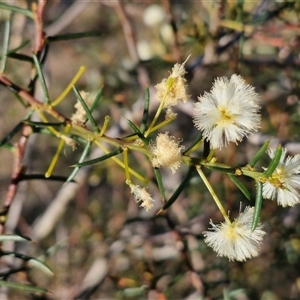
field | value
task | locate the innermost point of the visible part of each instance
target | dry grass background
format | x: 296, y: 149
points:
x: 98, y: 243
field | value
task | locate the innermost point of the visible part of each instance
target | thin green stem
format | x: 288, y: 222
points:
x: 210, y: 155
x: 125, y: 154
x: 69, y: 87
x: 213, y: 194
x: 121, y: 164
x: 160, y: 125
x: 160, y: 108
x: 6, y: 39
x: 104, y: 127
x: 55, y: 158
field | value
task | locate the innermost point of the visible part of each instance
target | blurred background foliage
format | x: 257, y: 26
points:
x: 98, y: 242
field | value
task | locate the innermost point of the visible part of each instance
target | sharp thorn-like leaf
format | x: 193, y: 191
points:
x: 99, y: 159
x: 259, y: 154
x: 17, y: 9
x: 258, y: 204
x: 146, y: 111
x: 42, y: 78
x: 23, y: 287
x: 82, y: 158
x: 274, y: 163
x: 138, y: 132
x: 160, y: 184
x: 241, y: 187
x: 180, y: 188
x: 87, y: 111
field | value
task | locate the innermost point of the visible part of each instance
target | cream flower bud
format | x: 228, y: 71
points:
x: 141, y: 195
x: 236, y: 240
x: 79, y: 117
x: 166, y: 152
x: 173, y: 89
x: 70, y: 142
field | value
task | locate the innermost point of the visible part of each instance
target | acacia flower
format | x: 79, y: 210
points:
x: 173, y: 89
x: 284, y: 184
x: 229, y: 112
x: 166, y: 152
x: 70, y: 142
x: 79, y: 117
x: 235, y: 240
x: 141, y: 195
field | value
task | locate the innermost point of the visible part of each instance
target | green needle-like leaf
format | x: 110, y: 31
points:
x: 24, y: 287
x: 259, y: 154
x: 13, y: 238
x: 82, y: 158
x: 274, y: 163
x: 42, y: 78
x: 30, y: 260
x: 17, y: 9
x: 160, y: 183
x: 138, y: 132
x: 42, y: 177
x: 97, y: 99
x: 258, y: 205
x: 73, y: 36
x: 146, y: 111
x: 16, y: 129
x: 241, y: 187
x: 19, y: 56
x: 41, y: 266
x: 99, y: 159
x: 42, y: 124
x: 180, y: 188
x: 87, y: 111
x: 220, y: 168
x: 5, y: 46
x: 22, y: 45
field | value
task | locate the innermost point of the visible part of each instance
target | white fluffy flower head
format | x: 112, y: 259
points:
x: 229, y: 112
x: 166, y: 152
x: 284, y: 184
x: 236, y: 240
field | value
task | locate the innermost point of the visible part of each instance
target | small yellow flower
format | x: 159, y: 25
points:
x: 141, y: 195
x: 166, y: 152
x: 236, y: 240
x: 173, y: 89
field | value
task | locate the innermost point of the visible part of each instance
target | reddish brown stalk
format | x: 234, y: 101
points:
x: 38, y: 11
x: 17, y: 172
x: 31, y: 100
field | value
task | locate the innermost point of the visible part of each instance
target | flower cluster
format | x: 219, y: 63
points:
x: 284, y: 184
x: 166, y: 152
x: 236, y: 240
x: 228, y: 113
